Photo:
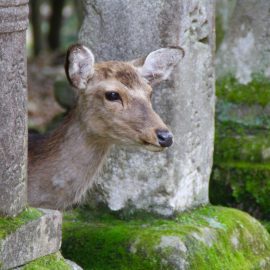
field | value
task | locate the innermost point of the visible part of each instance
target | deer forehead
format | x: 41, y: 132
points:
x: 120, y: 76
x: 123, y: 72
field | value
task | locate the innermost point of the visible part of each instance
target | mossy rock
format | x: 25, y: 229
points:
x: 208, y: 238
x: 9, y: 225
x: 50, y: 262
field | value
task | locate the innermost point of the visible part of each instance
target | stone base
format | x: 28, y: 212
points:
x: 212, y: 238
x: 32, y: 234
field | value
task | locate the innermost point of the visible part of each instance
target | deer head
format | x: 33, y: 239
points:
x: 114, y: 98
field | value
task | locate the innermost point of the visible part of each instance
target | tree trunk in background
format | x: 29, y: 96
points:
x: 55, y: 24
x: 176, y: 179
x: 36, y: 24
x: 245, y: 49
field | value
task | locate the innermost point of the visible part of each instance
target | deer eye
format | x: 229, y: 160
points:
x: 112, y: 96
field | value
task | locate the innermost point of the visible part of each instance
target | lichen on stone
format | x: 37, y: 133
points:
x: 210, y: 238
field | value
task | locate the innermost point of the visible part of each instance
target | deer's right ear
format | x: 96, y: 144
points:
x: 79, y: 65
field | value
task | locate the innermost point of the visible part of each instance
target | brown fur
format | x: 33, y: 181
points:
x: 121, y: 71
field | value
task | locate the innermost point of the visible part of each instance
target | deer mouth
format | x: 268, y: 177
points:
x: 152, y: 147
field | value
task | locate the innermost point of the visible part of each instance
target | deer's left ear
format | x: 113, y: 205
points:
x: 79, y: 65
x: 158, y: 65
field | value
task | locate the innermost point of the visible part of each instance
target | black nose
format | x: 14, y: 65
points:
x: 165, y: 138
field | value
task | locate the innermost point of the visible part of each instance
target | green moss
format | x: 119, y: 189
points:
x: 249, y: 184
x: 203, y: 241
x: 49, y: 262
x: 256, y: 92
x: 9, y: 225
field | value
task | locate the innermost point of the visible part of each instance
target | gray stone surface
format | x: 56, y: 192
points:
x: 31, y: 241
x: 178, y: 178
x: 246, y: 48
x: 13, y: 100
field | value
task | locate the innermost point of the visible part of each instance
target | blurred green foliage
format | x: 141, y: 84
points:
x: 241, y: 170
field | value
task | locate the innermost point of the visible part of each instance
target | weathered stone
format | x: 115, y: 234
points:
x: 32, y: 240
x: 13, y: 109
x: 246, y: 49
x: 212, y: 238
x: 178, y: 178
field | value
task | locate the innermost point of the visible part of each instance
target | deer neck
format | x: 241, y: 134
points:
x: 72, y: 162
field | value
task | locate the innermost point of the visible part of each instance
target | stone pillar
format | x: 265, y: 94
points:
x: 13, y: 106
x: 176, y: 179
x: 245, y: 50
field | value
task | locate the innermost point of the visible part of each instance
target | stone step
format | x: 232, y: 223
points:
x: 212, y: 238
x: 30, y: 235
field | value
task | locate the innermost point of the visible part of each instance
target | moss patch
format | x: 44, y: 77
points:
x: 50, y: 262
x: 256, y: 92
x: 205, y: 238
x: 9, y: 225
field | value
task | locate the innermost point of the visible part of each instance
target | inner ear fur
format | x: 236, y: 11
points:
x: 79, y: 65
x: 158, y: 65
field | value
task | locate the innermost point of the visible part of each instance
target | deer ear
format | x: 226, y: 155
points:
x: 79, y: 65
x: 158, y: 65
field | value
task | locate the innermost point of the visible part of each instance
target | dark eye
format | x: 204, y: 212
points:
x: 112, y: 96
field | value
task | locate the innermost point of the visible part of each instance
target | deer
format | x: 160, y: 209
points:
x: 113, y: 107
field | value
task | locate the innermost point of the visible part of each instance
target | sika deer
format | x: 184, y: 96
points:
x: 113, y: 107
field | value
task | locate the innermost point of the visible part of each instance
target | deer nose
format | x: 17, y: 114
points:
x: 165, y: 137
